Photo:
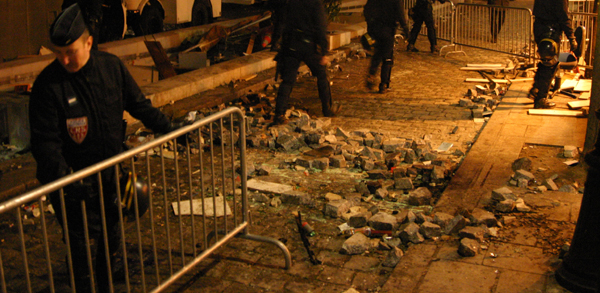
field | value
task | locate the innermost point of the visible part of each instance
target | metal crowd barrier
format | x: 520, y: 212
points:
x: 588, y: 22
x: 474, y: 24
x: 158, y: 248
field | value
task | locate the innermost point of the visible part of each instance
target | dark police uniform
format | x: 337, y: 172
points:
x: 382, y: 17
x: 497, y: 17
x: 76, y: 121
x: 301, y: 25
x: 423, y: 12
x: 551, y: 21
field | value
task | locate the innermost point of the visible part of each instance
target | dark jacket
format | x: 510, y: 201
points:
x: 76, y: 119
x: 498, y: 2
x: 554, y: 13
x: 384, y: 12
x: 306, y: 19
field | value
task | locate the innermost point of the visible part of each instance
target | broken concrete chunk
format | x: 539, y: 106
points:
x: 468, y: 247
x: 212, y: 206
x: 305, y: 161
x: 430, y: 230
x: 506, y: 206
x: 362, y: 188
x: 410, y: 233
x: 382, y: 221
x: 503, y: 193
x: 524, y: 174
x: 321, y: 163
x: 264, y: 170
x: 260, y: 197
x: 549, y: 183
x: 332, y: 196
x: 472, y: 232
x: 378, y: 174
x: 522, y: 164
x: 420, y: 196
x: 403, y: 183
x: 481, y: 216
x: 340, y: 132
x: 359, y: 220
x: 356, y: 244
x: 455, y: 225
x: 337, y: 161
x: 442, y: 219
x: 393, y: 145
x: 335, y: 209
x: 567, y: 188
x: 393, y: 258
x: 570, y: 151
x: 381, y: 193
x: 521, y: 206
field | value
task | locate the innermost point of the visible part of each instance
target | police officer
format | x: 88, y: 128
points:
x: 423, y: 12
x: 75, y: 114
x: 497, y: 17
x: 302, y: 27
x: 382, y: 18
x: 551, y: 21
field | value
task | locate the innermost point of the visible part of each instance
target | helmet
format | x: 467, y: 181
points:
x: 132, y: 184
x: 548, y: 51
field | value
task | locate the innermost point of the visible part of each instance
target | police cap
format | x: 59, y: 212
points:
x: 67, y: 27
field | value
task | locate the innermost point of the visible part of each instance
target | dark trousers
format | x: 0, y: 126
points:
x: 544, y: 74
x: 77, y: 243
x: 497, y: 17
x: 384, y: 51
x: 289, y: 72
x: 423, y: 12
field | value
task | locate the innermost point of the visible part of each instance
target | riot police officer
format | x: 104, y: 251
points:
x: 423, y: 12
x: 551, y: 21
x: 302, y: 27
x: 382, y: 18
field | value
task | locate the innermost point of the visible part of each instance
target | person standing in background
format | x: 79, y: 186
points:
x: 423, y: 12
x: 497, y: 17
x: 383, y: 17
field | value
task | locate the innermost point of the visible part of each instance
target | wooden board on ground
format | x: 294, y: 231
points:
x: 550, y: 112
x: 584, y: 85
x: 210, y: 208
x: 161, y: 60
x: 497, y: 80
x: 584, y: 96
x: 578, y: 104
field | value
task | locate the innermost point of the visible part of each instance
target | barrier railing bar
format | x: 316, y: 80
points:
x: 104, y: 232
x: 46, y: 246
x: 223, y: 181
x: 152, y: 229
x: 213, y: 176
x: 190, y: 190
x: 23, y: 249
x: 233, y: 176
x: 202, y: 197
x: 166, y: 215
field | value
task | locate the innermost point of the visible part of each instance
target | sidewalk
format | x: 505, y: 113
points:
x: 423, y: 101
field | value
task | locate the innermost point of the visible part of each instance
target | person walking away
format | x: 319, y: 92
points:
x: 423, y: 12
x: 551, y: 21
x: 383, y: 17
x: 76, y: 119
x: 301, y: 26
x: 497, y: 17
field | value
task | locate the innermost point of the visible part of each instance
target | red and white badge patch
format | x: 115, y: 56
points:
x: 78, y: 128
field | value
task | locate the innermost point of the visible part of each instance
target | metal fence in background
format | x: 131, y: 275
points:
x: 587, y: 21
x: 159, y: 248
x: 474, y: 26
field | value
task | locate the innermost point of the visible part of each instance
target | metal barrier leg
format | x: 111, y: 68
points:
x: 286, y: 253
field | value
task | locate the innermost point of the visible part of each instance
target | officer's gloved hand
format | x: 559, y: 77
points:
x: 573, y: 45
x: 82, y: 190
x: 183, y: 139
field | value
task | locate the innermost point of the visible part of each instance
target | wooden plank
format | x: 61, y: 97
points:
x: 483, y: 80
x: 161, y: 60
x: 584, y: 85
x: 485, y: 65
x: 550, y: 112
x: 578, y: 104
x: 584, y: 96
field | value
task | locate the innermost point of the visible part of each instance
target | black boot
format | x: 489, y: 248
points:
x: 543, y: 104
x: 384, y: 88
